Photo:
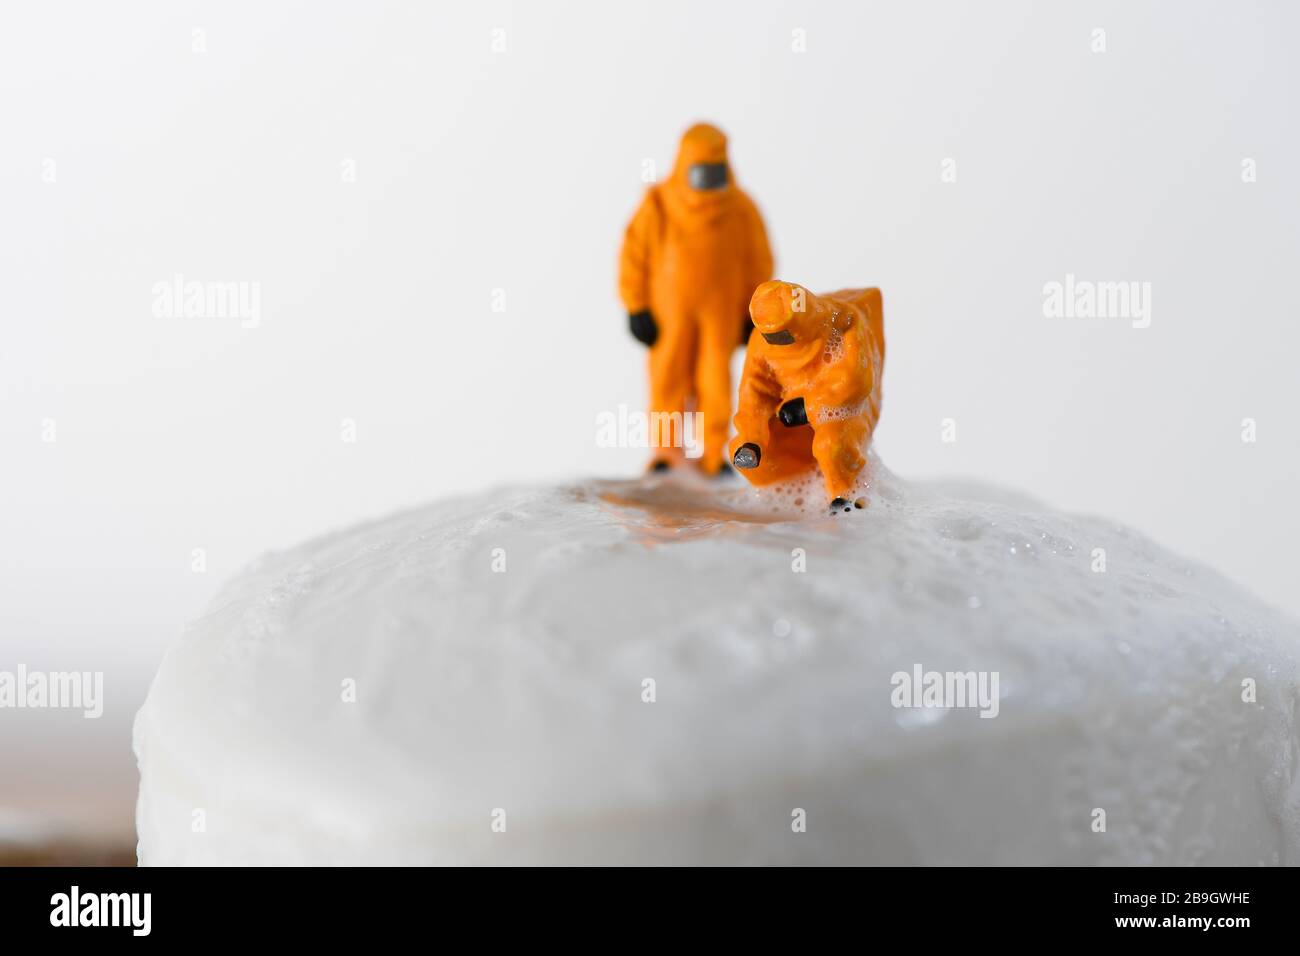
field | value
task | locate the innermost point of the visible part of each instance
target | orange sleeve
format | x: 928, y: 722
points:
x: 760, y: 395
x: 634, y: 260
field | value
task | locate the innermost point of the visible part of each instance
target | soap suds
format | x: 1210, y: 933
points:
x: 498, y: 649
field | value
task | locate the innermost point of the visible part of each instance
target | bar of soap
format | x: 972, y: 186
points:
x: 668, y: 671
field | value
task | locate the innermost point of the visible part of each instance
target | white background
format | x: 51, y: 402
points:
x: 478, y: 170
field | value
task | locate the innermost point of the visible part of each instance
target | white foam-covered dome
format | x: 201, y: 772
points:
x: 467, y: 683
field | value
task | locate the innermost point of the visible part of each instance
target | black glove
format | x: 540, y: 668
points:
x: 793, y: 413
x: 747, y: 456
x: 643, y: 327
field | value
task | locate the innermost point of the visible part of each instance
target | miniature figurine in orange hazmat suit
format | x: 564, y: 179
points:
x: 810, y: 391
x: 691, y: 257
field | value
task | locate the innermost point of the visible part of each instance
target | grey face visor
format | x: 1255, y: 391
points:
x: 706, y: 176
x: 784, y: 337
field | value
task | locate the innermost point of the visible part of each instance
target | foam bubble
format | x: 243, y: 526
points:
x: 805, y: 494
x: 839, y: 413
x: 834, y: 349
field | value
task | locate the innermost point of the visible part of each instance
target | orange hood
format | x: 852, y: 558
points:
x: 702, y: 143
x: 779, y: 307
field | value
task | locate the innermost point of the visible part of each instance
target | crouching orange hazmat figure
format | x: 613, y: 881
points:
x: 810, y: 392
x: 692, y: 255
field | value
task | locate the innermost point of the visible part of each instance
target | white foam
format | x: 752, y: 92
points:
x: 523, y: 690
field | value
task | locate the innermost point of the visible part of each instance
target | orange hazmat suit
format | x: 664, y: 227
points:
x: 691, y: 258
x: 810, y: 391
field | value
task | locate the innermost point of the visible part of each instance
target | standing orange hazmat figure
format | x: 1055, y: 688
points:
x: 810, y: 392
x: 692, y: 256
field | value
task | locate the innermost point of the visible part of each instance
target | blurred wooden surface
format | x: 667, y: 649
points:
x: 67, y: 853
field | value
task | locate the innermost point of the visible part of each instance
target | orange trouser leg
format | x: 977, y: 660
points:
x: 837, y: 446
x: 718, y: 338
x: 672, y: 374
